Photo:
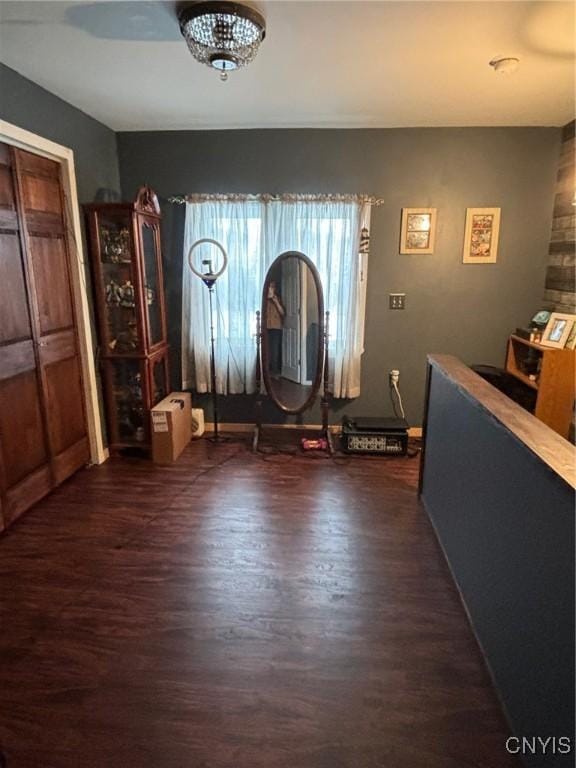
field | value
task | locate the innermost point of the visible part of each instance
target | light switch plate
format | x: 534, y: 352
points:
x: 397, y: 300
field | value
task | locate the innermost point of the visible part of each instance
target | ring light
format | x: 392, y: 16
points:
x: 209, y: 278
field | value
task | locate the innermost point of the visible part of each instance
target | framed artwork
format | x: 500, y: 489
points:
x: 558, y: 330
x: 418, y: 230
x: 481, y: 235
x: 571, y: 340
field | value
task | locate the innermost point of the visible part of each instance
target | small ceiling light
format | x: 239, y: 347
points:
x: 222, y: 35
x: 505, y: 65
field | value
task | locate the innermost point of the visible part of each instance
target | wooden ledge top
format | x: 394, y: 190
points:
x: 549, y: 447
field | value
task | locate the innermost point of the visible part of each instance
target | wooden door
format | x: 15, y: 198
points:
x: 43, y: 437
x: 44, y: 224
x: 24, y: 459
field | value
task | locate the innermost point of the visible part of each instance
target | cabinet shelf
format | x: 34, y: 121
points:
x: 527, y: 343
x: 553, y: 371
x: 533, y: 383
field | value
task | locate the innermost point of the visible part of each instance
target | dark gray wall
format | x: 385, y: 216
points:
x: 506, y: 524
x: 466, y: 310
x: 29, y: 106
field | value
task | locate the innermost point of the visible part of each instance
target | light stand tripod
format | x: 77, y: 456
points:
x: 209, y: 279
x: 213, y: 360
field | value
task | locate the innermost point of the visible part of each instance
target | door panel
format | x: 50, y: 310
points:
x: 41, y: 194
x: 6, y: 187
x: 22, y: 496
x: 14, y: 315
x: 37, y: 164
x: 38, y: 222
x: 57, y: 346
x: 16, y: 359
x: 67, y: 462
x: 65, y: 414
x: 50, y: 268
x: 20, y: 426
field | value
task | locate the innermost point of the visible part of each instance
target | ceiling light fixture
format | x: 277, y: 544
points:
x: 222, y: 35
x: 505, y: 65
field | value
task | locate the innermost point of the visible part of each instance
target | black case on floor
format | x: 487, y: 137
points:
x: 386, y: 436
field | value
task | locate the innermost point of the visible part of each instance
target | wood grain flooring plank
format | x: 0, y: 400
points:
x: 238, y: 611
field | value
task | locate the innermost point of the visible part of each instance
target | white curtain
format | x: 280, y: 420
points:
x: 238, y: 226
x: 253, y: 234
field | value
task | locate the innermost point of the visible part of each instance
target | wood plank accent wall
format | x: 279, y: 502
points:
x: 559, y: 294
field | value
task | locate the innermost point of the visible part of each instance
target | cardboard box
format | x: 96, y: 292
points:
x: 171, y: 427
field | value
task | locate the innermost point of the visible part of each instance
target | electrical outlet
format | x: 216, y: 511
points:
x: 394, y: 376
x: 397, y: 300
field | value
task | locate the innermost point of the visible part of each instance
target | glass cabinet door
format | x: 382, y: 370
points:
x: 159, y: 388
x: 128, y: 398
x: 120, y: 318
x: 149, y: 234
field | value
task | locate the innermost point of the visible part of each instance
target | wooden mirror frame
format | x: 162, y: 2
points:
x: 265, y: 352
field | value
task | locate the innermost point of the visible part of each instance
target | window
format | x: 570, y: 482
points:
x: 254, y: 233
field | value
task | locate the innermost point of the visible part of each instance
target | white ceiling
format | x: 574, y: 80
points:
x: 323, y: 64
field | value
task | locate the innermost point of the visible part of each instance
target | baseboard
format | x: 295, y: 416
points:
x: 243, y: 427
x: 415, y: 432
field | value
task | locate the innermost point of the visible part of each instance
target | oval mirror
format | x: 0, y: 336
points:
x: 292, y: 332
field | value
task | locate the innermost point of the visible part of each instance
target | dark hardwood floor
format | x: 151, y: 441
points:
x: 238, y: 611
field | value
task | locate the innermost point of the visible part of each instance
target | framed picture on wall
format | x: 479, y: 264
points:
x: 418, y: 230
x: 558, y: 330
x: 481, y: 235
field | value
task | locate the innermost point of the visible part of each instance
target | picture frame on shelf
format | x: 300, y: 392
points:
x: 558, y: 330
x: 481, y: 236
x: 571, y: 340
x: 418, y: 230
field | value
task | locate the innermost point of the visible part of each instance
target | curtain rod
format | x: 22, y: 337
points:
x: 266, y: 198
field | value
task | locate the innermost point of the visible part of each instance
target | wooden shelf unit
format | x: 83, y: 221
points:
x: 553, y: 380
x: 126, y: 259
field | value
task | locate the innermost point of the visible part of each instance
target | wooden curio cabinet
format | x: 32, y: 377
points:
x: 129, y: 294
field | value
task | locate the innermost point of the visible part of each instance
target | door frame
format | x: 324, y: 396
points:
x: 18, y: 137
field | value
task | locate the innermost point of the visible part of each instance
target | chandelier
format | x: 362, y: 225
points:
x: 222, y: 35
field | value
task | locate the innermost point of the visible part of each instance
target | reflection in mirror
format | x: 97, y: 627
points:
x: 292, y: 312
